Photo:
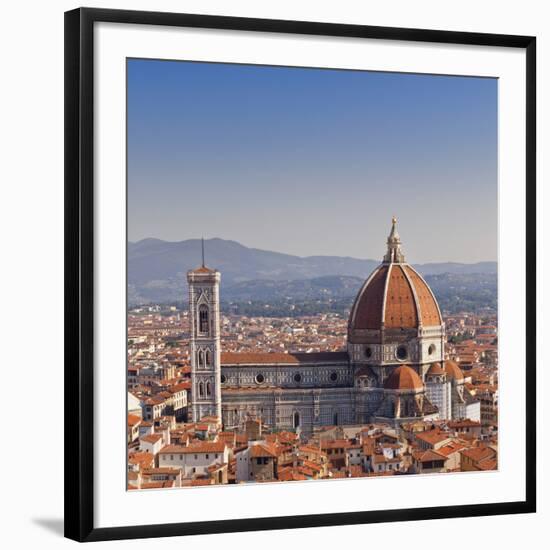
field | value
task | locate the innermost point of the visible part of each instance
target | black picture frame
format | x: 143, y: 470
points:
x: 79, y: 270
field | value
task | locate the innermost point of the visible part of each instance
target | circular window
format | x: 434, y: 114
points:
x: 431, y: 349
x: 260, y: 378
x: 297, y: 378
x: 401, y: 352
x: 334, y: 376
x: 368, y: 352
x: 223, y: 379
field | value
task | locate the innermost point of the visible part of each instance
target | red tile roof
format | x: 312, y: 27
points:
x: 432, y: 436
x: 263, y: 450
x: 151, y: 438
x: 203, y: 269
x: 403, y: 378
x: 428, y: 456
x: 429, y: 312
x: 478, y: 454
x: 133, y: 420
x: 395, y: 296
x: 283, y: 358
x: 367, y: 311
x: 142, y: 459
x: 290, y: 474
x: 400, y: 309
x: 435, y: 370
x: 453, y: 370
x: 195, y: 448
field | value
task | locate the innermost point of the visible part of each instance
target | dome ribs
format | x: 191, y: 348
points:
x: 368, y: 309
x: 395, y: 297
x: 400, y: 308
x: 403, y: 378
x: 429, y: 311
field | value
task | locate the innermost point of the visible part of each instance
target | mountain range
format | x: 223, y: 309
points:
x: 157, y: 271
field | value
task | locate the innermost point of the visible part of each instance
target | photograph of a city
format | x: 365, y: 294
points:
x: 312, y: 274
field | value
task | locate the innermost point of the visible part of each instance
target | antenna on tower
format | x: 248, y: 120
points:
x: 202, y: 246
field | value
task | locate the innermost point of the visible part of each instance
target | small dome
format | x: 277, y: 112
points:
x: 403, y: 378
x: 435, y: 370
x: 453, y: 371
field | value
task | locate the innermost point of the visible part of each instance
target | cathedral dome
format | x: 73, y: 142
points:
x: 403, y: 378
x: 435, y: 370
x: 454, y: 371
x: 395, y: 295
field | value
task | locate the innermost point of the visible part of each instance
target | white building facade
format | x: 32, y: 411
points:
x: 194, y: 460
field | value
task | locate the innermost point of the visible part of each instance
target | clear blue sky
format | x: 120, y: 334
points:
x: 313, y: 161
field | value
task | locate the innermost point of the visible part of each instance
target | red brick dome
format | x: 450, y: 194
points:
x: 435, y: 370
x: 453, y: 370
x: 403, y: 378
x: 395, y: 295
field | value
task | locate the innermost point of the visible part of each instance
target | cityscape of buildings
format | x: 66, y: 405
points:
x: 397, y: 388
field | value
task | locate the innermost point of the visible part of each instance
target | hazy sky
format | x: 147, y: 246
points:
x: 313, y: 161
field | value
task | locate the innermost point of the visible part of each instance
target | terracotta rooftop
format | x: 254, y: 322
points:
x: 395, y: 296
x: 263, y: 450
x: 429, y: 312
x: 479, y: 454
x: 435, y: 370
x: 335, y: 443
x: 428, y: 456
x: 453, y: 370
x: 433, y: 436
x: 403, y: 378
x: 133, y: 420
x: 367, y: 311
x: 200, y: 482
x: 151, y: 438
x: 203, y: 269
x: 451, y: 447
x: 290, y: 474
x: 283, y: 358
x: 142, y: 459
x: 488, y: 464
x: 195, y: 448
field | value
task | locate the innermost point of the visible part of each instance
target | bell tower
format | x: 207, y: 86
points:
x: 204, y: 319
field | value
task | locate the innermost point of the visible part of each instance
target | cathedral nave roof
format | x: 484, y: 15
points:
x: 278, y: 358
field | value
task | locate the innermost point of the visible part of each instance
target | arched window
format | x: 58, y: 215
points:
x: 203, y: 319
x: 208, y: 389
x: 207, y: 358
x: 296, y: 419
x: 200, y: 358
x: 201, y: 390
